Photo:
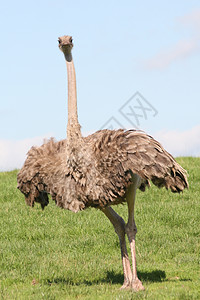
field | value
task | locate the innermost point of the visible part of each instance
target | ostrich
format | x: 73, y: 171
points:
x: 101, y: 170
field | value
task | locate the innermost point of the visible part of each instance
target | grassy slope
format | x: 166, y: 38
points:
x: 56, y: 254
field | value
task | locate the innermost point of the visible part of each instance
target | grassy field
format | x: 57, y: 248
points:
x: 56, y: 254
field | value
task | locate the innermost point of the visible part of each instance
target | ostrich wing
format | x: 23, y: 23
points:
x: 120, y: 153
x: 41, y: 172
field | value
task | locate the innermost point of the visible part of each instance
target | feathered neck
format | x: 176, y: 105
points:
x: 73, y: 126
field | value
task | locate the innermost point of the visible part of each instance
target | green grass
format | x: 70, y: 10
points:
x: 56, y: 254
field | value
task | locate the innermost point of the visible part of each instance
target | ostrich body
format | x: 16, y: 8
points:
x: 100, y: 170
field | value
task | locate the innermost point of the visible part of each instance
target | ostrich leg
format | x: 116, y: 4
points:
x: 131, y: 231
x: 119, y: 226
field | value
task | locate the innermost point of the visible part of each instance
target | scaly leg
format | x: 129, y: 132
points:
x: 119, y: 226
x: 131, y: 231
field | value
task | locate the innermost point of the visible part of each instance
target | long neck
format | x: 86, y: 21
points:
x: 73, y: 126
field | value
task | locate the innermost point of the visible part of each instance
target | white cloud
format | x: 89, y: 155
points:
x: 182, y: 49
x: 192, y: 19
x: 181, y: 143
x: 13, y: 153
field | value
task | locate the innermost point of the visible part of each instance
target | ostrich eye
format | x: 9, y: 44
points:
x: 70, y: 40
x: 59, y: 41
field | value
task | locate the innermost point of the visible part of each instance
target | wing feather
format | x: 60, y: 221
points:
x: 136, y: 152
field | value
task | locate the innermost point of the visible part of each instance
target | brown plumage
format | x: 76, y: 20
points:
x: 116, y: 155
x: 100, y: 170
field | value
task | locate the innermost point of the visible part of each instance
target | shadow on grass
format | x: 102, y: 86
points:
x: 112, y: 278
x: 153, y: 276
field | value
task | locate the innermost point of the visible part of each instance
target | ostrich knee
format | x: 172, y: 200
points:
x: 131, y: 230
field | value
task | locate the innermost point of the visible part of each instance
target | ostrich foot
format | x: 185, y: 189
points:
x: 136, y: 285
x: 126, y: 285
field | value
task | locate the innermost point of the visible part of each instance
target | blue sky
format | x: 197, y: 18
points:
x: 120, y: 48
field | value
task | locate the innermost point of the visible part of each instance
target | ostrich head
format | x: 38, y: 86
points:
x: 65, y: 45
